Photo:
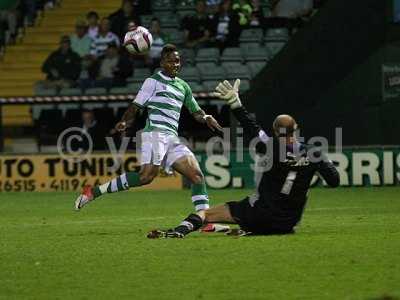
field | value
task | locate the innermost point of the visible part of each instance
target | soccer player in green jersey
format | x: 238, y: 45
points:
x: 163, y: 94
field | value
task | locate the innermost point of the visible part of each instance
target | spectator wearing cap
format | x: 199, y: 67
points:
x: 93, y: 22
x: 197, y: 28
x: 104, y: 38
x: 80, y: 40
x: 120, y: 19
x: 62, y: 67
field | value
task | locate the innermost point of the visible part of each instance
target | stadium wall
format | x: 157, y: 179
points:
x: 28, y: 173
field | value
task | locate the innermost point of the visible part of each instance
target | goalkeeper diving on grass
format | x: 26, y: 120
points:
x: 163, y: 95
x: 283, y: 175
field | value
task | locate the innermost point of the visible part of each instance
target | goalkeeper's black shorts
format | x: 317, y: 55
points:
x: 255, y: 220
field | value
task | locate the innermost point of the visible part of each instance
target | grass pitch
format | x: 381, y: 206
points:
x: 347, y: 247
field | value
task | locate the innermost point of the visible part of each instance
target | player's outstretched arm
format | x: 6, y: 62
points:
x: 201, y: 117
x: 127, y: 118
x: 230, y: 94
x: 328, y: 172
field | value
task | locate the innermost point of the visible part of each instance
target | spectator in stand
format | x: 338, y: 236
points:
x: 80, y: 40
x: 110, y: 71
x: 104, y: 38
x: 3, y: 29
x: 97, y: 132
x: 293, y: 13
x: 159, y: 40
x: 30, y: 11
x: 244, y: 10
x: 197, y: 27
x: 226, y: 27
x: 213, y: 6
x: 62, y: 67
x: 257, y: 15
x: 8, y: 22
x: 93, y: 21
x: 120, y: 19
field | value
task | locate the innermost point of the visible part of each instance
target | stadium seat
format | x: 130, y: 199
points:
x: 185, y: 5
x: 182, y: 14
x: 233, y: 54
x: 168, y: 21
x: 277, y: 35
x: 96, y: 91
x: 162, y: 5
x: 70, y: 92
x: 118, y: 91
x: 175, y: 36
x: 210, y: 71
x: 187, y: 56
x: 273, y: 48
x: 134, y: 87
x: 189, y: 73
x: 139, y: 75
x: 254, y: 35
x: 267, y: 11
x: 210, y: 85
x: 196, y: 86
x: 235, y: 70
x: 255, y: 67
x: 207, y: 55
x: 254, y: 52
x: 45, y: 92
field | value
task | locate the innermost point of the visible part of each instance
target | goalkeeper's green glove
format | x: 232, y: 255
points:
x: 229, y: 93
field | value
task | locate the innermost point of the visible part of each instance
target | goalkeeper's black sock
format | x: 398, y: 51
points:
x: 192, y: 223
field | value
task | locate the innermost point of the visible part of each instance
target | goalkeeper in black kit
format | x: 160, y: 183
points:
x: 284, y: 171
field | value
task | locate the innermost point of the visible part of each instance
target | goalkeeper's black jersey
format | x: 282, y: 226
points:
x: 284, y: 177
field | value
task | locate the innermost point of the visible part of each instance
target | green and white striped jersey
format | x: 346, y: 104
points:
x: 163, y: 97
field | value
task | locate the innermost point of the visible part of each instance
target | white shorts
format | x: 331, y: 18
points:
x: 162, y: 149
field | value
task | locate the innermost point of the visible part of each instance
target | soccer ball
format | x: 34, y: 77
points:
x: 138, y: 40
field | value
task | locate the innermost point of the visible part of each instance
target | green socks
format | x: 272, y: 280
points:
x: 118, y: 184
x: 200, y: 197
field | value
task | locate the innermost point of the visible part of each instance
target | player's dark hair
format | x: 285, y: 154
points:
x: 167, y: 49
